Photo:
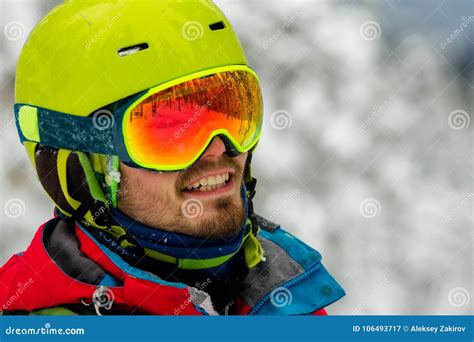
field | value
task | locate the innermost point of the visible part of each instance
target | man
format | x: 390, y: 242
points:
x: 140, y: 118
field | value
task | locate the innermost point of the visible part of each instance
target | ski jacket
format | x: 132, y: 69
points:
x: 290, y: 281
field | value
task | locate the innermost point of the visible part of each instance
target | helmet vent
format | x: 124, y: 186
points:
x: 217, y: 26
x: 132, y: 49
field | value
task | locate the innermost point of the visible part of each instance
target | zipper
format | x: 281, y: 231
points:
x: 286, y: 285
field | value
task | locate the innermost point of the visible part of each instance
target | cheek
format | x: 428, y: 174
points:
x: 241, y: 159
x: 162, y: 181
x: 149, y: 180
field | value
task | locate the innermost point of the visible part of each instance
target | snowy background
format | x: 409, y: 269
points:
x: 367, y: 146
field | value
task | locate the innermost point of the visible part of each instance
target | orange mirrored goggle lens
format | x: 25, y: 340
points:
x: 171, y: 128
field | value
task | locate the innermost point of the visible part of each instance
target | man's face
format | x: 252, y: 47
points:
x: 203, y: 200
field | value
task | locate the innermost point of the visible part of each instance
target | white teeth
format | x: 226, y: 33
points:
x: 211, y: 180
x: 210, y: 183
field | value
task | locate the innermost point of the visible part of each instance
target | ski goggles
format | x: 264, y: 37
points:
x: 165, y: 128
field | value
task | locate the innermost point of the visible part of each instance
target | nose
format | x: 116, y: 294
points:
x: 215, y: 149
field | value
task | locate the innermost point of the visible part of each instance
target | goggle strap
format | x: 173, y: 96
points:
x: 61, y: 130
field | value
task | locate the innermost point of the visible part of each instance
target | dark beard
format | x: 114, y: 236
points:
x: 227, y: 222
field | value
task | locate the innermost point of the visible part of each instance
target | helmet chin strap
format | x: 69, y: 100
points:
x: 250, y: 183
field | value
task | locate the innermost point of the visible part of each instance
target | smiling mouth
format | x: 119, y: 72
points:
x: 210, y: 183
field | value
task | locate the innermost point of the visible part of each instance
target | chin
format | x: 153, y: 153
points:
x: 220, y: 221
